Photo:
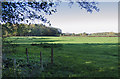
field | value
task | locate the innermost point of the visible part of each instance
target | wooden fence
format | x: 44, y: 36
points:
x: 27, y: 56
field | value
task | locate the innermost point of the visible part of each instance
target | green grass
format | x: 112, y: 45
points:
x: 73, y: 56
x: 63, y: 40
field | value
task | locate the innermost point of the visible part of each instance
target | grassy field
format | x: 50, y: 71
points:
x: 62, y: 40
x: 73, y: 57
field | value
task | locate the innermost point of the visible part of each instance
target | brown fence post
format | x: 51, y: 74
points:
x: 40, y: 57
x: 51, y: 55
x: 14, y: 63
x: 27, y: 55
x: 41, y: 62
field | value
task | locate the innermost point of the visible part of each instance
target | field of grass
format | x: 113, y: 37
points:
x: 62, y: 40
x: 73, y: 57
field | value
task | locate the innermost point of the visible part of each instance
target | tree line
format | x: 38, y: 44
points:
x: 102, y: 34
x: 9, y: 29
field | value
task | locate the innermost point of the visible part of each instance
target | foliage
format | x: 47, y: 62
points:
x: 29, y: 30
x: 15, y: 12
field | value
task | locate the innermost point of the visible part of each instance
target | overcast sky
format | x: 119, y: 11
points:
x: 76, y: 20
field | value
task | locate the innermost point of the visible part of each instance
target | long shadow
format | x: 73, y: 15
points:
x: 94, y: 44
x: 36, y: 40
x: 48, y: 40
x: 46, y: 45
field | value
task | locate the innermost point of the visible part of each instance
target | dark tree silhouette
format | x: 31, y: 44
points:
x: 14, y: 12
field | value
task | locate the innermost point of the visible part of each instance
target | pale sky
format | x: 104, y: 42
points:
x: 76, y: 20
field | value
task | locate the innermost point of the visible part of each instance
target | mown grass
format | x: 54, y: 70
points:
x: 62, y: 40
x: 73, y: 56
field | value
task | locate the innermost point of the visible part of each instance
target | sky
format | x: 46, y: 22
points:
x: 76, y: 20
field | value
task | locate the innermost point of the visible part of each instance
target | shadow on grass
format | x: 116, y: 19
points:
x: 48, y: 41
x: 46, y: 45
x: 95, y: 44
x: 31, y: 40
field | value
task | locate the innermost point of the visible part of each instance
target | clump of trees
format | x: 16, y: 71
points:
x: 10, y: 29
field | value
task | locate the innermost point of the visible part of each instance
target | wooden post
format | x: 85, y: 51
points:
x: 41, y: 63
x: 14, y: 62
x: 51, y: 55
x: 40, y: 57
x: 27, y: 55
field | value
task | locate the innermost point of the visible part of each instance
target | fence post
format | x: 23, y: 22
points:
x: 27, y: 55
x: 41, y: 62
x: 14, y: 62
x: 40, y: 57
x: 51, y: 55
